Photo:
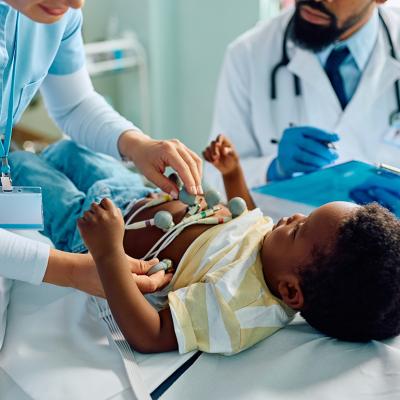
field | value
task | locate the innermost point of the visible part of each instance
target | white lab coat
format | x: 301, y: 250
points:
x: 245, y: 113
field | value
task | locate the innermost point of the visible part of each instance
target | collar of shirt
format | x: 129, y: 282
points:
x: 360, y: 44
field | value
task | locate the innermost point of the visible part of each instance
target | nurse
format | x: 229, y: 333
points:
x: 41, y: 48
x: 324, y: 72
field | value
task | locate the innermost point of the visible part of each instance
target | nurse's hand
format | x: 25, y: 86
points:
x: 86, y: 278
x: 302, y: 149
x: 152, y: 157
x: 380, y: 188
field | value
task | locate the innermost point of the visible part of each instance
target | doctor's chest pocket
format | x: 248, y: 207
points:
x: 389, y: 148
x: 26, y: 95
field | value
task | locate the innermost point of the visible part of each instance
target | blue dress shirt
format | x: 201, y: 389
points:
x: 361, y: 45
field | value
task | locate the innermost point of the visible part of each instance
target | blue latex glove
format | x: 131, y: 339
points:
x: 384, y: 189
x: 302, y: 149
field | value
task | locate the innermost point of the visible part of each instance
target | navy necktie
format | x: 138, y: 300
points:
x: 332, y: 68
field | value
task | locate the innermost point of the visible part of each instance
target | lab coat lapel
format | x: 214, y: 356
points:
x: 380, y: 75
x: 321, y: 105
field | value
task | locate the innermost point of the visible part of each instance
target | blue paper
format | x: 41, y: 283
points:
x: 323, y: 186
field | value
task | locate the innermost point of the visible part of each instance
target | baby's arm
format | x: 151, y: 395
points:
x: 102, y: 229
x: 223, y: 156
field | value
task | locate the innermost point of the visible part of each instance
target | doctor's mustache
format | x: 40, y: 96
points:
x: 316, y: 6
x: 312, y: 36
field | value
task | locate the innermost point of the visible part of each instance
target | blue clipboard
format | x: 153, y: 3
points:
x: 323, y: 186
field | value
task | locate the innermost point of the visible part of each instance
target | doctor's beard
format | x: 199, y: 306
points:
x: 317, y: 37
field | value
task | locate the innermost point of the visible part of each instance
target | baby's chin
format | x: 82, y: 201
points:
x: 267, y: 238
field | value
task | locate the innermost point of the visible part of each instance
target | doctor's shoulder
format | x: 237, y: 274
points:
x: 265, y: 36
x: 392, y: 13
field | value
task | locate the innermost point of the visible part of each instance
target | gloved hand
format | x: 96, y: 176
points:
x: 383, y: 189
x: 302, y: 149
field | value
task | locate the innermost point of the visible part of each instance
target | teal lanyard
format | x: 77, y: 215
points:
x: 5, y: 144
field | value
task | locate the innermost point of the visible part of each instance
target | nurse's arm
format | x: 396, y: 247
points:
x: 79, y: 271
x: 143, y: 327
x: 73, y: 270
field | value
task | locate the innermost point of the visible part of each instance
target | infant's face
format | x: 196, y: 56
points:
x: 293, y: 240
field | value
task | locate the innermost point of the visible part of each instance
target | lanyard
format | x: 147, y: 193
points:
x: 5, y: 144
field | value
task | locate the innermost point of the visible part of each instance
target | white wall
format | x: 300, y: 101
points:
x: 185, y: 40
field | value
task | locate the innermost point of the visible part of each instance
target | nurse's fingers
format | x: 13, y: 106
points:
x: 198, y: 161
x: 174, y: 159
x: 141, y: 267
x: 150, y: 284
x: 194, y: 169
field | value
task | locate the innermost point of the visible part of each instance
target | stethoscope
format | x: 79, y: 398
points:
x: 394, y: 118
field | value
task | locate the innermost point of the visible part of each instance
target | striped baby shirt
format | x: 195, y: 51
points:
x: 219, y: 300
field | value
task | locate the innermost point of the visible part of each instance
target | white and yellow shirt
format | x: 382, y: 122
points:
x: 219, y: 301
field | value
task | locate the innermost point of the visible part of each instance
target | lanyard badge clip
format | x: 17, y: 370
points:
x: 6, y: 182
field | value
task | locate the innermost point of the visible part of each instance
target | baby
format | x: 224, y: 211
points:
x: 235, y: 283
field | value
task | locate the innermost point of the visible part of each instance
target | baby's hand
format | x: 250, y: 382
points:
x: 102, y: 229
x: 222, y: 155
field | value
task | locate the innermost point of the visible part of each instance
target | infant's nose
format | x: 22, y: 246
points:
x: 295, y: 217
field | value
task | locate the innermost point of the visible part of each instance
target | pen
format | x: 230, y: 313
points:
x: 389, y: 168
x: 329, y: 145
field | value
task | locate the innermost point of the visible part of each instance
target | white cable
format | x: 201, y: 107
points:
x: 135, y: 213
x: 165, y: 198
x: 178, y: 226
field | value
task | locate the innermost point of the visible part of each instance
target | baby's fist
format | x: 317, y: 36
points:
x: 221, y: 153
x: 102, y: 228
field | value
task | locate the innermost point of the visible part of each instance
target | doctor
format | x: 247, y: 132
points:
x: 326, y: 72
x: 41, y: 47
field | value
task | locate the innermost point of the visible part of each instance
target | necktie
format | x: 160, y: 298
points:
x: 332, y: 68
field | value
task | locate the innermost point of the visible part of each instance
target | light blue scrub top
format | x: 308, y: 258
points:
x: 42, y: 49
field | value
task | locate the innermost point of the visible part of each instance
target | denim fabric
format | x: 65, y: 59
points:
x: 72, y: 177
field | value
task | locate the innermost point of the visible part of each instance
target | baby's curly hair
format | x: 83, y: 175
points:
x: 353, y: 293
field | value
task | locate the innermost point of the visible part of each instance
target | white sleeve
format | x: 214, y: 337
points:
x: 233, y: 118
x: 22, y: 259
x: 82, y: 113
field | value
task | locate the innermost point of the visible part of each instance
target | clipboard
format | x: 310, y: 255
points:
x: 324, y: 186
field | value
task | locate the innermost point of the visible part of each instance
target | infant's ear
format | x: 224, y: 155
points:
x: 290, y: 291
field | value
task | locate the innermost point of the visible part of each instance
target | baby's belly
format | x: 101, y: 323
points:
x: 138, y: 242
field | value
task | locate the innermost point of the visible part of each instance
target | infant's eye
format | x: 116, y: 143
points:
x: 295, y: 230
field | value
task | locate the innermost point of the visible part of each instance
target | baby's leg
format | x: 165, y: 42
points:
x: 62, y: 201
x: 97, y: 175
x: 85, y: 167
